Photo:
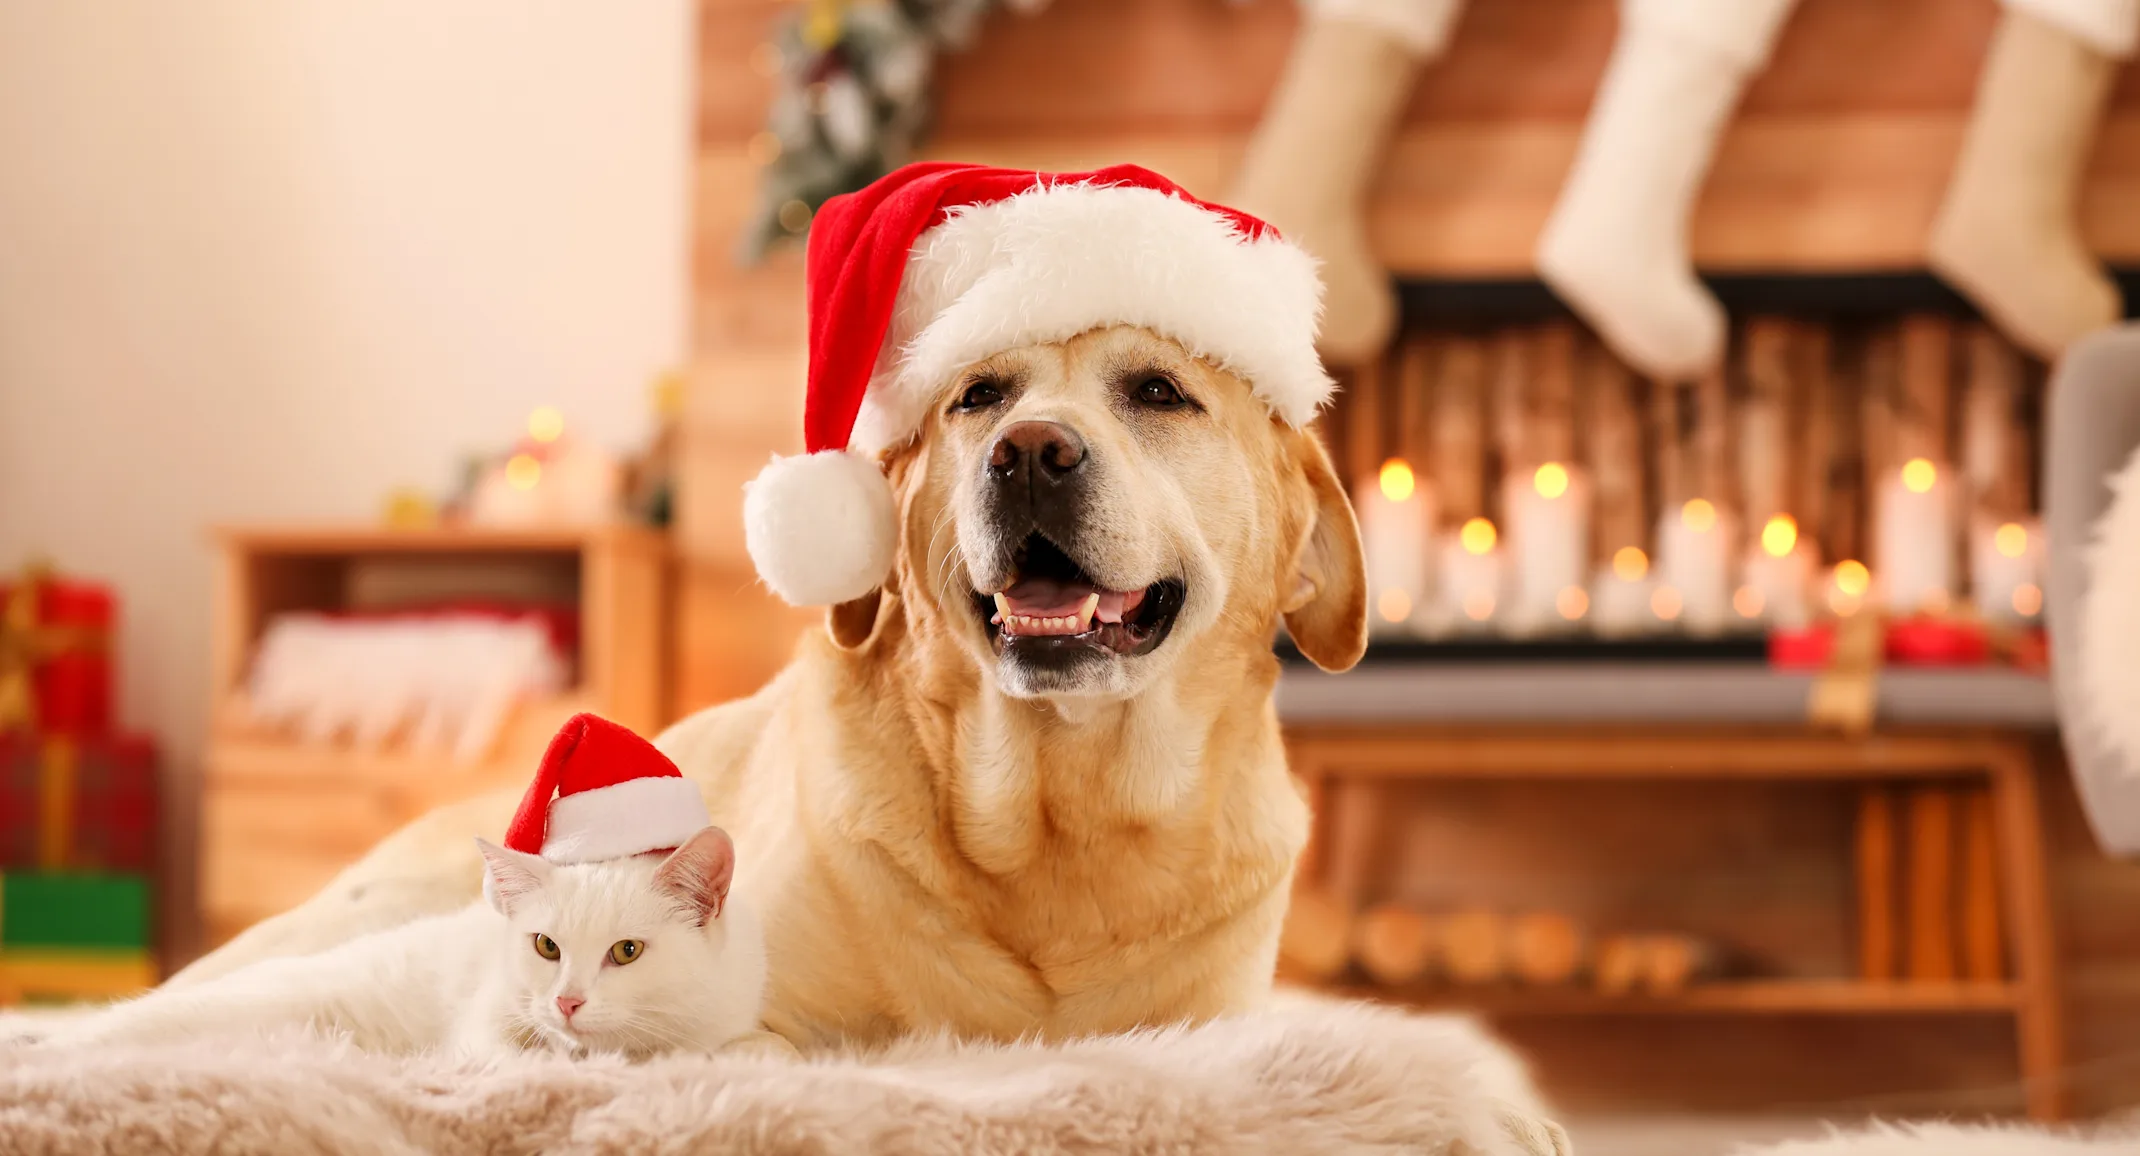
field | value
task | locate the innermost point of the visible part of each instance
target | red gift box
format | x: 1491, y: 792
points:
x: 70, y: 803
x: 55, y: 655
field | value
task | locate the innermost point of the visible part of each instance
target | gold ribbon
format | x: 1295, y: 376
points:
x: 25, y: 642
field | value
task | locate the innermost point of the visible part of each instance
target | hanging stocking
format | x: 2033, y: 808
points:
x: 2007, y: 235
x: 1615, y: 247
x: 1321, y: 141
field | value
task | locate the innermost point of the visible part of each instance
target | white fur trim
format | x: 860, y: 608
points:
x: 2111, y: 27
x: 1422, y: 26
x: 821, y: 527
x: 1741, y: 31
x: 1051, y: 263
x: 623, y: 819
x: 2109, y: 634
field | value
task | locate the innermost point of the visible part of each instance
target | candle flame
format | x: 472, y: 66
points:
x: 1852, y: 578
x: 2011, y: 540
x: 1780, y: 535
x: 2028, y: 600
x: 1394, y: 605
x: 1572, y: 603
x: 1551, y: 480
x: 1478, y: 606
x: 1477, y: 536
x: 1629, y: 563
x: 1396, y: 480
x: 522, y: 471
x: 1665, y: 603
x: 1747, y: 601
x: 1698, y: 515
x: 1918, y: 475
x: 546, y: 425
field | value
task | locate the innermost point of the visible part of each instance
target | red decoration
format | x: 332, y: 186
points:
x: 1936, y: 642
x: 55, y: 655
x: 1806, y: 649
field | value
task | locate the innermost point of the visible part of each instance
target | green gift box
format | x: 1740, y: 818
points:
x: 41, y: 909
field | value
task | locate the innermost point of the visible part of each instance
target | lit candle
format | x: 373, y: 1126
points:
x: 1549, y: 540
x: 2006, y: 569
x: 1470, y: 578
x: 1846, y: 587
x: 1396, y: 518
x: 1694, y: 568
x: 1620, y: 595
x: 1779, y: 572
x: 1914, y: 539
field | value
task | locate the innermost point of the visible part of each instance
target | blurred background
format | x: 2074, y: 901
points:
x: 1730, y: 395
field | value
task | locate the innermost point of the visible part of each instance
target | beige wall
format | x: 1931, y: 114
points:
x: 267, y: 260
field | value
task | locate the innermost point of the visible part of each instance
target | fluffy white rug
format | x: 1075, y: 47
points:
x: 1304, y: 1081
x: 1961, y: 1140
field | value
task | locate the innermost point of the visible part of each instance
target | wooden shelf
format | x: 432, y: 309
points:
x: 1749, y: 997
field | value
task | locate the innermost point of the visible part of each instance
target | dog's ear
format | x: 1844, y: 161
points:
x: 1325, y: 603
x: 855, y: 625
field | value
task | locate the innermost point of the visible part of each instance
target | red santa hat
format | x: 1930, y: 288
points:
x: 614, y: 796
x: 939, y: 265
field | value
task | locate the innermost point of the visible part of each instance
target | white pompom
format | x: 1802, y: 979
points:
x: 821, y: 527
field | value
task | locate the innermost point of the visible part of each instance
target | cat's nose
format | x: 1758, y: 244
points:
x: 569, y: 1004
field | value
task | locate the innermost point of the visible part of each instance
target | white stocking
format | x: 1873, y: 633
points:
x: 1615, y: 247
x: 1321, y: 142
x: 2006, y: 235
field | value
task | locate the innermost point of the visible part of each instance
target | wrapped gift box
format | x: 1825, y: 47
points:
x: 78, y: 803
x: 73, y: 911
x: 55, y: 655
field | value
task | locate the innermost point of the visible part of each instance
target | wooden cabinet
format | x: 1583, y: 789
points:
x: 280, y: 816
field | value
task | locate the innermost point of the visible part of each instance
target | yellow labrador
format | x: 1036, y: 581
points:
x: 1034, y: 785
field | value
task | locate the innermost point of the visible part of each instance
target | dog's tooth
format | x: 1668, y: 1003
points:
x: 1003, y: 607
x: 1085, y: 612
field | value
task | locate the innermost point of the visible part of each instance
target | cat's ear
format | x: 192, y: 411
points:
x: 699, y: 872
x: 510, y: 875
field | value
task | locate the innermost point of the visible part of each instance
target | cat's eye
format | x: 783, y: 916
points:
x: 546, y: 947
x: 979, y: 395
x: 1160, y: 392
x: 624, y: 951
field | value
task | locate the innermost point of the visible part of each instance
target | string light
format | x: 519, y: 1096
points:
x: 2028, y: 600
x: 1396, y: 480
x: 1852, y: 578
x: 1629, y: 563
x: 1478, y: 606
x: 546, y: 425
x: 1478, y: 537
x: 1747, y: 601
x: 1551, y: 480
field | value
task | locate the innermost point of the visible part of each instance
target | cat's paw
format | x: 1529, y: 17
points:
x: 1519, y: 1132
x: 761, y: 1043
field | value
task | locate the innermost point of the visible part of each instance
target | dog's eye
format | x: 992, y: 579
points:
x: 1160, y: 393
x: 979, y: 395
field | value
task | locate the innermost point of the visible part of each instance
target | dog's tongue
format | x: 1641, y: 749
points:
x: 1048, y: 598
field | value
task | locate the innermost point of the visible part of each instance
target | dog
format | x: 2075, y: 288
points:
x: 1034, y: 785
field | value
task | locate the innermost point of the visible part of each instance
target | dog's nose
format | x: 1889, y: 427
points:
x: 1043, y: 447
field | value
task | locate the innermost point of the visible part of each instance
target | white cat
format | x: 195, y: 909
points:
x: 635, y: 956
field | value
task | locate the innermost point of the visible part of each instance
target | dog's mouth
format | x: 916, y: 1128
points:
x: 1052, y: 607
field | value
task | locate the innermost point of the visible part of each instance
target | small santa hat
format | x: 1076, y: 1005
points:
x: 938, y: 265
x: 615, y: 796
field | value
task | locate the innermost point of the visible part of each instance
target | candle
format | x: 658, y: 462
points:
x: 1914, y: 536
x: 1549, y: 540
x: 1470, y: 578
x: 1779, y: 572
x: 1620, y: 595
x: 1694, y: 579
x: 1846, y: 587
x: 2006, y: 569
x: 1396, y: 520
